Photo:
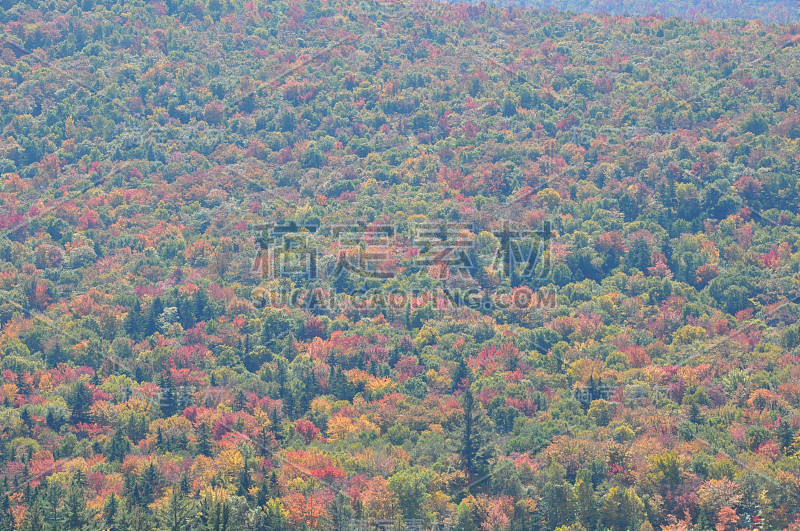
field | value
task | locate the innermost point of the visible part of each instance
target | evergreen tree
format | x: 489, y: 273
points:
x: 156, y: 309
x: 214, y: 514
x: 34, y: 519
x: 110, y: 510
x: 118, y: 447
x: 152, y: 481
x: 168, y: 402
x: 201, y: 309
x: 474, y: 448
x: 239, y: 401
x: 81, y: 400
x: 785, y: 435
x: 558, y: 499
x: 244, y: 481
x: 76, y: 516
x: 340, y: 513
x: 178, y: 513
x: 51, y: 505
x: 585, y: 503
x: 204, y: 443
x: 462, y: 372
x: 133, y: 321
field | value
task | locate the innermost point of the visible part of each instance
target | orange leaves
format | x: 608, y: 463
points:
x: 307, y: 510
x: 199, y: 252
x: 15, y: 183
x: 377, y: 499
x: 777, y: 255
x: 717, y: 493
x: 312, y: 463
x: 342, y: 424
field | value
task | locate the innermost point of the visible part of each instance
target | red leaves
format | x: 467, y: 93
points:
x: 407, y: 367
x: 604, y: 84
x: 307, y: 429
x: 610, y: 242
x: 776, y: 256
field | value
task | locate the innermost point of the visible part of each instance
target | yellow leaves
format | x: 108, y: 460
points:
x: 104, y: 413
x: 584, y: 369
x: 136, y: 404
x: 549, y: 197
x: 689, y: 375
x: 340, y: 426
x: 203, y: 469
x: 230, y: 462
x: 9, y: 391
x: 688, y: 334
x: 608, y: 302
x: 45, y: 383
x: 170, y: 425
x: 427, y: 336
x: 262, y: 417
x: 436, y: 380
x: 321, y: 405
x: 357, y: 376
x: 69, y: 128
x: 377, y: 385
x: 717, y: 493
x: 215, y: 494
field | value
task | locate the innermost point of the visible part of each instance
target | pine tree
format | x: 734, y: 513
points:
x: 178, y: 514
x: 34, y: 519
x: 56, y: 355
x: 214, y: 514
x: 340, y: 513
x: 474, y: 448
x: 244, y: 482
x: 75, y: 508
x: 185, y: 315
x: 51, y: 505
x: 462, y: 372
x: 186, y: 486
x: 585, y: 502
x: 558, y: 499
x: 263, y: 493
x: 239, y: 401
x: 118, y: 447
x: 168, y: 403
x: 276, y: 518
x: 110, y: 510
x: 152, y: 480
x: 204, y: 440
x: 133, y: 322
x: 156, y: 309
x: 81, y: 401
x: 201, y: 308
x: 785, y: 435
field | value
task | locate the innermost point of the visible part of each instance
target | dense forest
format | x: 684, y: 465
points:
x: 780, y: 11
x: 236, y: 238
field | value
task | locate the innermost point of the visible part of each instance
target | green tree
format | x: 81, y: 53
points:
x: 621, y: 510
x: 585, y: 502
x: 178, y: 513
x: 411, y: 488
x: 558, y: 498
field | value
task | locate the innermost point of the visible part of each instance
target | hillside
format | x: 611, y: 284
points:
x: 777, y: 11
x: 315, y: 265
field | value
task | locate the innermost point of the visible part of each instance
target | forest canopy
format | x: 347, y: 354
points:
x: 185, y: 186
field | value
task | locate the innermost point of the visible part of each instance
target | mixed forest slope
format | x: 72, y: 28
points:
x: 147, y: 147
x: 779, y: 11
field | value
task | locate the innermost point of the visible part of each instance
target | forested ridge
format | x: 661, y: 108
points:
x: 645, y: 374
x: 780, y: 11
